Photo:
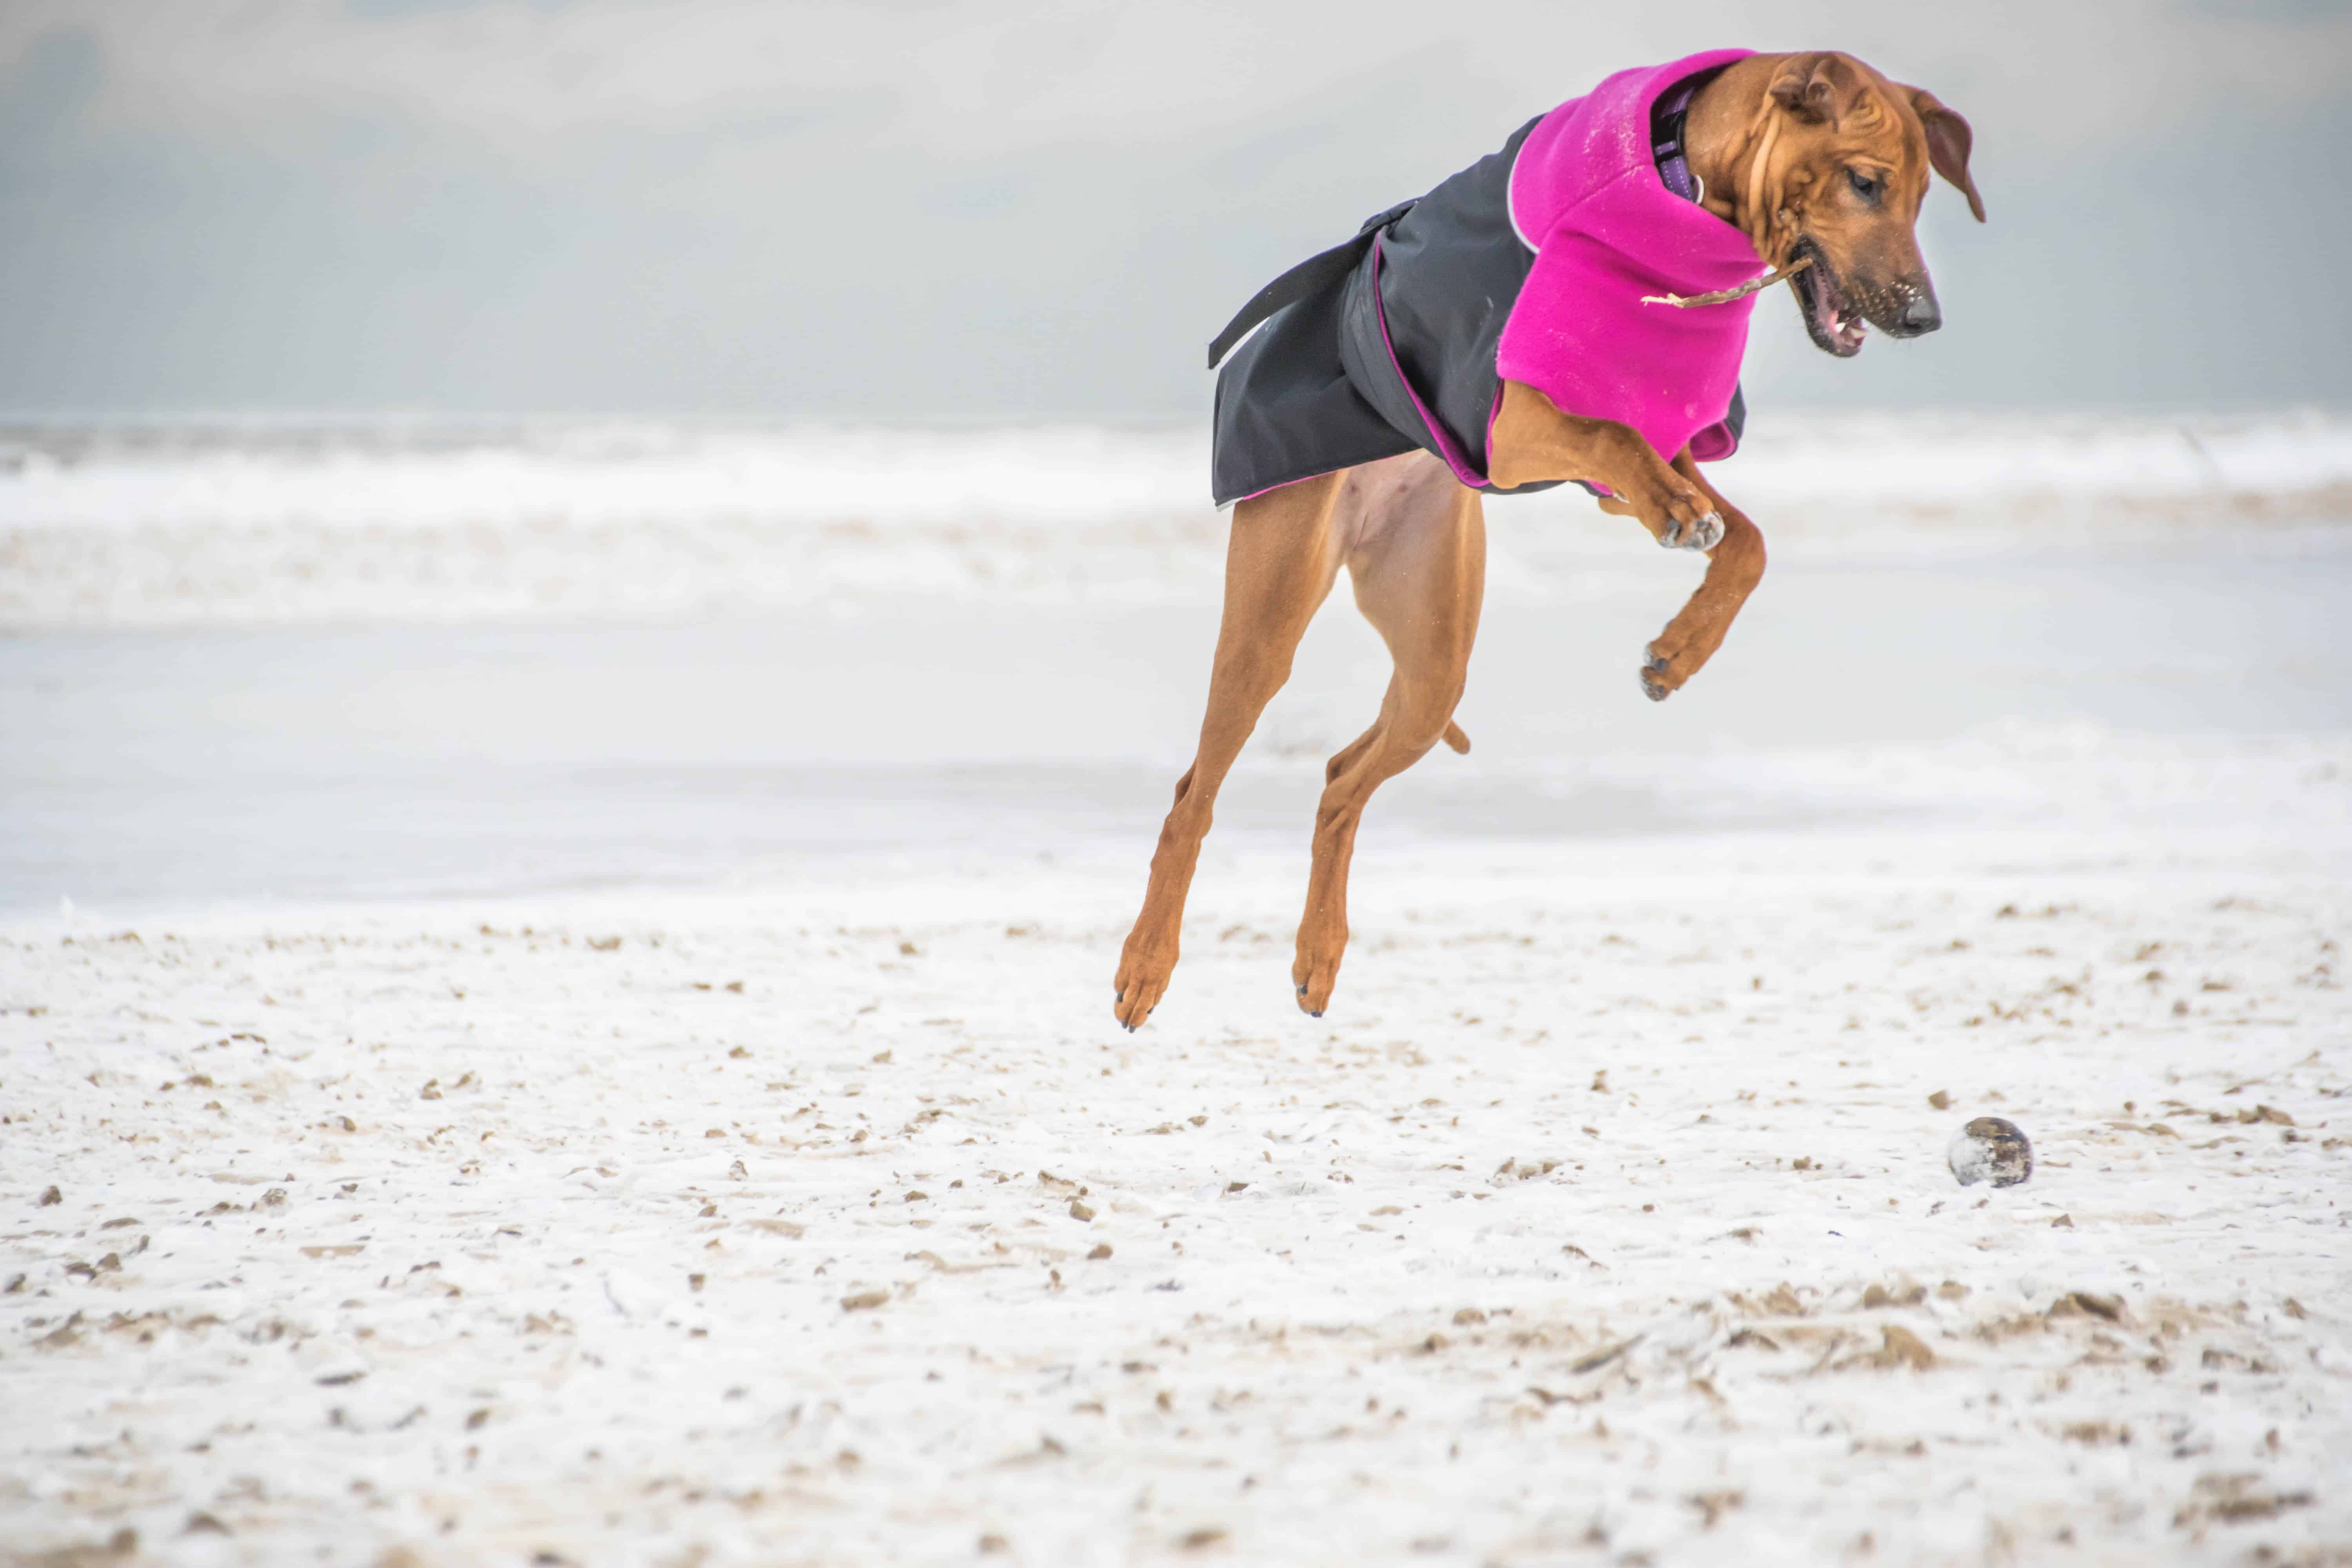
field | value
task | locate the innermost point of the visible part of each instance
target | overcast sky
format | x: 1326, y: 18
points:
x: 904, y: 209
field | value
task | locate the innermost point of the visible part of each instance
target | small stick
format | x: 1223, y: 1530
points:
x: 1724, y: 296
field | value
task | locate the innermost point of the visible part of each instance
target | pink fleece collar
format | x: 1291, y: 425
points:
x: 1586, y: 195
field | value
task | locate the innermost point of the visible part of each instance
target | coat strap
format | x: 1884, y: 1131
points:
x: 1311, y: 275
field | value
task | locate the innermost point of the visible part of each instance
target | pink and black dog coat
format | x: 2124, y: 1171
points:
x: 1530, y: 265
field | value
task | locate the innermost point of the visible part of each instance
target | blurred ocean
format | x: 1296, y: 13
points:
x: 223, y: 523
x: 252, y: 663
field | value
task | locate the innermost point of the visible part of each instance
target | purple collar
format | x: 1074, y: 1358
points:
x: 1666, y: 117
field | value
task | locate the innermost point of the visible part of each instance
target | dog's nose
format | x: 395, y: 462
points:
x: 1918, y: 316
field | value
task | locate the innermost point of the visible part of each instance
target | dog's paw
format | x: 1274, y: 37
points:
x: 1315, y: 973
x: 1704, y: 533
x: 1655, y: 668
x: 1141, y: 982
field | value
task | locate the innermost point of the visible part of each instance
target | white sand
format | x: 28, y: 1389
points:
x: 571, y: 1277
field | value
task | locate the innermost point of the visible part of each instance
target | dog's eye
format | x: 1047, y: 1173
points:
x: 1864, y: 185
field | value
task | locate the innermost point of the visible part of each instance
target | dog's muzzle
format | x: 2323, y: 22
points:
x: 1915, y: 313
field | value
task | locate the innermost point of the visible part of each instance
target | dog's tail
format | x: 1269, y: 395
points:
x: 1457, y: 738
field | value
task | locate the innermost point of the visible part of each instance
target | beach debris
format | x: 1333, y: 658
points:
x: 65, y: 1334
x: 1601, y: 1358
x: 2236, y: 1499
x: 1990, y: 1148
x: 2088, y: 1304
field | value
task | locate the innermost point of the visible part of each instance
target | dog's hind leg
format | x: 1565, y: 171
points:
x: 1280, y: 562
x: 1419, y: 568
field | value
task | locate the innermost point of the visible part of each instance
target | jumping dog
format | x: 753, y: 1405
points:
x: 1519, y: 327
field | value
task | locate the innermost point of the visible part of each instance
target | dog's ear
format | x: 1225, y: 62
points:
x: 1817, y: 88
x: 1948, y: 140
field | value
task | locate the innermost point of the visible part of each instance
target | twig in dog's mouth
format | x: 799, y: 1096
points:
x: 1725, y: 295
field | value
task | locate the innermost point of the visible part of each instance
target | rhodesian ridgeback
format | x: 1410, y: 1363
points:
x: 1822, y: 164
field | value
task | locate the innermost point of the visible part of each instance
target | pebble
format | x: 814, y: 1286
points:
x: 1990, y: 1148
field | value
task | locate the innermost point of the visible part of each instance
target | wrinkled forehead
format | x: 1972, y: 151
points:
x: 1882, y: 126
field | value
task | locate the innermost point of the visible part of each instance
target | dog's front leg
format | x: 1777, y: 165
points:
x: 1734, y: 567
x: 1532, y: 439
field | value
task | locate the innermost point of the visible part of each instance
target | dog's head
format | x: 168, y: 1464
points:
x: 1839, y: 161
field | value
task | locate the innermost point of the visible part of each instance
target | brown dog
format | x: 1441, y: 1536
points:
x: 1819, y: 160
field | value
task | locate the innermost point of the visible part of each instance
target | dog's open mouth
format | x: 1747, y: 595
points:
x: 1833, y: 319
